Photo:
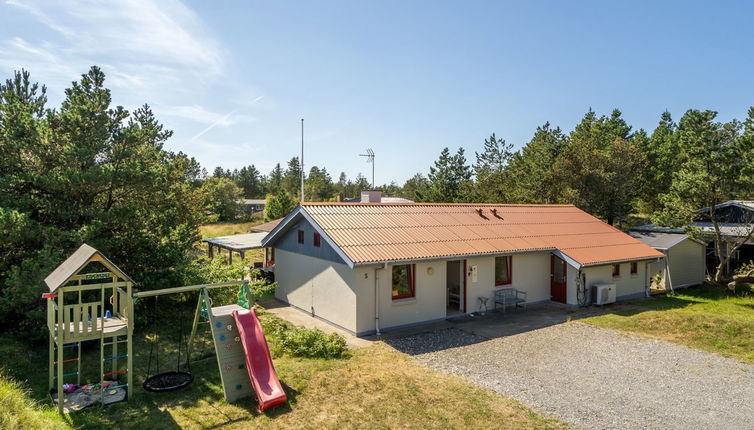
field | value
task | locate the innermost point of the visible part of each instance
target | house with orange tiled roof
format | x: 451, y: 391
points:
x: 367, y: 267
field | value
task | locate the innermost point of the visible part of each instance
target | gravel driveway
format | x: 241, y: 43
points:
x: 598, y: 378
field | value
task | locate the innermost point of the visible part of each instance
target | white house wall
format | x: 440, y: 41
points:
x: 529, y: 272
x: 428, y: 305
x: 315, y: 285
x: 627, y: 285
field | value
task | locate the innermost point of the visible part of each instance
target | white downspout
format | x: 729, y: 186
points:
x: 377, y: 300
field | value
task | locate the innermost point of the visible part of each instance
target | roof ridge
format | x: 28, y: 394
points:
x: 487, y: 238
x: 460, y: 225
x: 436, y: 204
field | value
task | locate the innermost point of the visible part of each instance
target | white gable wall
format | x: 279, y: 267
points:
x: 687, y: 264
x: 316, y: 285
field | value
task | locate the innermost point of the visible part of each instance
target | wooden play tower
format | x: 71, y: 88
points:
x: 89, y: 299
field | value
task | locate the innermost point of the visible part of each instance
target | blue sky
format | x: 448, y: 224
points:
x: 406, y: 78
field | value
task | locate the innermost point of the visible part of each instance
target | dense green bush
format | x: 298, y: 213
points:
x: 296, y: 341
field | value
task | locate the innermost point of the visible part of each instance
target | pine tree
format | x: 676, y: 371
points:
x: 292, y: 178
x: 662, y: 151
x: 530, y: 176
x: 275, y: 180
x: 248, y: 178
x: 600, y: 170
x: 715, y: 167
x: 278, y: 205
x: 449, y: 178
x: 489, y: 170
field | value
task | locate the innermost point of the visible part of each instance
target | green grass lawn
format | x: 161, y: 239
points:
x: 375, y: 387
x: 707, y: 317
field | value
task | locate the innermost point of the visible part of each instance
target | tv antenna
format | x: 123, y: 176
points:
x: 370, y: 159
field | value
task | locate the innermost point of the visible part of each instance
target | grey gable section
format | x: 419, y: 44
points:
x: 285, y: 237
x: 83, y: 256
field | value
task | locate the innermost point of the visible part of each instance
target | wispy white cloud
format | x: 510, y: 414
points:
x: 143, y: 45
x: 152, y: 51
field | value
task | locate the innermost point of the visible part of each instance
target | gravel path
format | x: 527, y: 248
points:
x: 598, y: 378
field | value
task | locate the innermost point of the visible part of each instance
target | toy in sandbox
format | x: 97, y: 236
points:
x: 88, y: 306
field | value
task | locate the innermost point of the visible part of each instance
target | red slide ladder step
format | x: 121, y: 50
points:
x: 117, y: 372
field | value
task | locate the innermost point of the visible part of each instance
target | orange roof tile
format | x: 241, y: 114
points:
x: 369, y: 233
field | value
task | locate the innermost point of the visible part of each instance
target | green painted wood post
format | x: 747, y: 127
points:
x: 60, y: 343
x: 194, y: 326
x: 129, y: 340
x: 97, y: 319
x: 51, y: 352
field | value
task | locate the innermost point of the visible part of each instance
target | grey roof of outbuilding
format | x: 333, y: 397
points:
x: 238, y: 242
x: 658, y: 240
x: 80, y: 258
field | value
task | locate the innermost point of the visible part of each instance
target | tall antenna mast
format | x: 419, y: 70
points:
x: 370, y: 159
x: 302, y: 160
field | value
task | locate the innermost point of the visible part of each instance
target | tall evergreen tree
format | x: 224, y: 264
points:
x: 662, y: 153
x: 275, y: 180
x: 449, y: 178
x: 87, y: 172
x: 292, y: 178
x: 714, y: 168
x: 248, y: 178
x: 531, y: 177
x: 489, y: 170
x: 318, y: 185
x: 600, y: 169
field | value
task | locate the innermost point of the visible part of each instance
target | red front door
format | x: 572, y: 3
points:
x: 558, y: 271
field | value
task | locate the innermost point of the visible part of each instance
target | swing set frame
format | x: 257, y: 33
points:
x: 71, y: 320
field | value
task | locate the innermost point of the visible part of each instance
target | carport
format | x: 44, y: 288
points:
x: 240, y: 243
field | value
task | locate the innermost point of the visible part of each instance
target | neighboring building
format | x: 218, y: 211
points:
x: 253, y: 206
x: 369, y: 196
x: 366, y: 266
x: 736, y: 222
x: 684, y: 263
x: 266, y: 227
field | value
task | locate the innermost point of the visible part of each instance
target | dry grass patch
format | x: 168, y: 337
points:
x: 380, y: 388
x: 375, y: 388
x: 707, y: 318
x: 228, y: 228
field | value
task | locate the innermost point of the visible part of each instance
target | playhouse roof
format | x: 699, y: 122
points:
x: 73, y: 264
x: 375, y: 233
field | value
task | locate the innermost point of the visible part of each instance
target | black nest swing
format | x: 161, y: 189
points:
x: 162, y: 382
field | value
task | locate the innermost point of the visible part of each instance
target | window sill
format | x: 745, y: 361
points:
x: 635, y: 275
x: 406, y: 301
x: 616, y: 278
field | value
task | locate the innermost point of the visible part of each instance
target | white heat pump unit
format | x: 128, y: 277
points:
x: 603, y: 293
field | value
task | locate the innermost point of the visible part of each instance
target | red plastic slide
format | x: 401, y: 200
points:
x: 258, y: 361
